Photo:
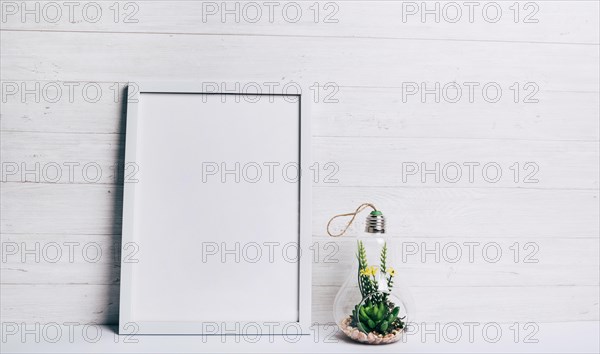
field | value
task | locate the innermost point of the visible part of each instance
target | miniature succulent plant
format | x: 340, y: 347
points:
x: 375, y: 313
x: 376, y: 317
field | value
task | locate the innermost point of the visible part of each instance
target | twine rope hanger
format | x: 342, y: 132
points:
x: 354, y: 214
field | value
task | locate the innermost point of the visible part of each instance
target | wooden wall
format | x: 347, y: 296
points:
x: 363, y: 121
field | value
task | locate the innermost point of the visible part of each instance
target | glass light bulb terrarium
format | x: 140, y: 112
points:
x: 373, y: 306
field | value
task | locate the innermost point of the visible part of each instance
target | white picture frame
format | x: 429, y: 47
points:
x: 169, y: 212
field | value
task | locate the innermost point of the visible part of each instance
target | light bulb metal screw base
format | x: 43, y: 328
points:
x: 375, y: 223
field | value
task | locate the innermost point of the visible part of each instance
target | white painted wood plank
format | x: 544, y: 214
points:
x: 335, y: 111
x: 343, y: 61
x: 383, y: 112
x: 414, y: 212
x: 60, y: 303
x: 467, y: 212
x: 99, y: 303
x: 56, y: 110
x: 405, y: 162
x: 94, y: 208
x: 74, y: 259
x: 51, y: 158
x: 63, y: 158
x: 540, y: 21
x: 62, y: 259
x: 487, y: 304
x: 449, y: 261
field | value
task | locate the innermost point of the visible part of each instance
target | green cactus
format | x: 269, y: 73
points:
x: 375, y: 313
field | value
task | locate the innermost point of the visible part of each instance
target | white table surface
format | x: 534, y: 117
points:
x: 572, y: 337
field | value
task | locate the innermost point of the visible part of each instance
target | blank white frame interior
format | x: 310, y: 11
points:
x: 216, y: 214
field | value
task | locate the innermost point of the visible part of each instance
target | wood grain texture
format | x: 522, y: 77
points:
x: 99, y: 303
x: 61, y: 259
x: 449, y: 262
x: 488, y: 304
x: 557, y: 21
x: 95, y: 260
x: 335, y: 111
x: 414, y: 212
x: 60, y: 303
x: 369, y: 56
x: 381, y: 161
x: 69, y: 56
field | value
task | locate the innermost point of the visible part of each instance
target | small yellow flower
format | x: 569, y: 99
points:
x: 391, y: 271
x: 369, y: 271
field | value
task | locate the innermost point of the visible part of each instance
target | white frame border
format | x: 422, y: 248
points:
x: 126, y: 324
